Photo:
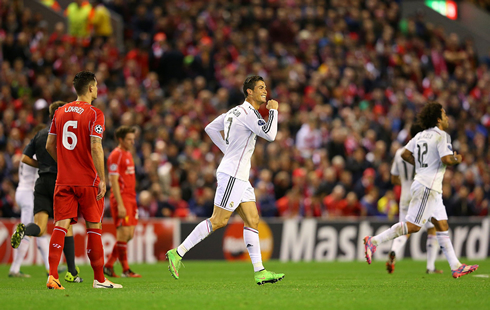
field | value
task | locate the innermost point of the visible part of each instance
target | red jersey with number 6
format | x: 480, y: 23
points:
x: 74, y: 124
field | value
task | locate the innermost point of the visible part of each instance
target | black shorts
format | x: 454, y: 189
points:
x: 44, y: 193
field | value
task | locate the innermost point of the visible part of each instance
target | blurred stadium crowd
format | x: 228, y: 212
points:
x: 349, y: 76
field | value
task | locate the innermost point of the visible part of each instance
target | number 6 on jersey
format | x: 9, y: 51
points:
x: 68, y: 134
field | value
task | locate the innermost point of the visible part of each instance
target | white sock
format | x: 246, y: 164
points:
x: 200, y: 232
x: 397, y: 230
x: 398, y: 246
x: 252, y: 242
x: 43, y: 246
x: 432, y: 250
x: 447, y: 248
x: 19, y: 255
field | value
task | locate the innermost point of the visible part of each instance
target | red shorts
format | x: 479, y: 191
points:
x: 131, y: 207
x: 68, y: 200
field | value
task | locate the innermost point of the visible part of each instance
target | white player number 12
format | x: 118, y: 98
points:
x: 68, y: 134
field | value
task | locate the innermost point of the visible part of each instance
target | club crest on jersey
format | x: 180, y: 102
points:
x: 98, y: 129
x: 231, y: 204
x: 261, y: 122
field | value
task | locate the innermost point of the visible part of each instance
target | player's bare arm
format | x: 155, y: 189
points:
x: 408, y: 157
x: 98, y: 159
x: 29, y: 161
x: 395, y: 180
x: 116, y: 190
x: 51, y: 147
x: 451, y: 160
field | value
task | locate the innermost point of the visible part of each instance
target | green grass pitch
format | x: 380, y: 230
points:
x: 225, y: 285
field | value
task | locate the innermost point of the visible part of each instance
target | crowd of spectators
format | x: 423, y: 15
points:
x: 349, y: 76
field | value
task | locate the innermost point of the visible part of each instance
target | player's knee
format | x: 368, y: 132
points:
x: 415, y: 229
x: 441, y: 225
x: 253, y: 222
x: 218, y: 223
x: 42, y: 231
x: 412, y: 228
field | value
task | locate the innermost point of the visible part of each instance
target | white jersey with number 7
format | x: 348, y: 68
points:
x: 428, y: 147
x: 241, y: 126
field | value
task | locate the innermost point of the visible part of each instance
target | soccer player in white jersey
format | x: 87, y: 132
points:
x: 402, y: 173
x: 430, y: 151
x: 241, y: 126
x: 24, y: 196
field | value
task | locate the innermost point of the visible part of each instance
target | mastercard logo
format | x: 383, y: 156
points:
x: 234, y: 248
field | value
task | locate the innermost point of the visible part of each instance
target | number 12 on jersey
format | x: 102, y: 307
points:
x: 421, y: 154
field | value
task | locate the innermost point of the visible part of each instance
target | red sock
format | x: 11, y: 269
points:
x: 95, y: 252
x: 123, y: 254
x: 113, y: 257
x: 55, y: 249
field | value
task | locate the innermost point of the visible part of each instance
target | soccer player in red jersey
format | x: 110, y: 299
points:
x: 123, y: 199
x: 75, y: 138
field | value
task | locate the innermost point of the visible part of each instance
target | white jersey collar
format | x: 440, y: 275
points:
x: 249, y: 104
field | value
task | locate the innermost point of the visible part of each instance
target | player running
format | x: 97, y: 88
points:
x: 123, y: 200
x: 35, y: 155
x: 75, y: 138
x: 24, y: 196
x: 241, y: 126
x: 402, y: 173
x: 433, y: 152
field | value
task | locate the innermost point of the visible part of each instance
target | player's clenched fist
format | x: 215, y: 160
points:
x: 272, y: 104
x: 458, y: 157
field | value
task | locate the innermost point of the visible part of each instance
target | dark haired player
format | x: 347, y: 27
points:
x: 402, y: 173
x: 75, y: 142
x: 430, y: 151
x: 241, y: 126
x: 123, y: 200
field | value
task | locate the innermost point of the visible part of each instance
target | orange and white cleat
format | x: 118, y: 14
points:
x: 54, y: 284
x: 390, y: 264
x: 106, y: 284
x: 130, y: 274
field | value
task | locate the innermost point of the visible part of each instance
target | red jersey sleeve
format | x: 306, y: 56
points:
x: 97, y: 123
x: 52, y: 129
x: 113, y: 162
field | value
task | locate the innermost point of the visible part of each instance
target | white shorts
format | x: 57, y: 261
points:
x: 25, y: 200
x: 425, y: 204
x: 231, y: 192
x: 403, y: 214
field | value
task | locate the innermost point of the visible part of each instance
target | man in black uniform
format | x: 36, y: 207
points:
x: 43, y: 197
